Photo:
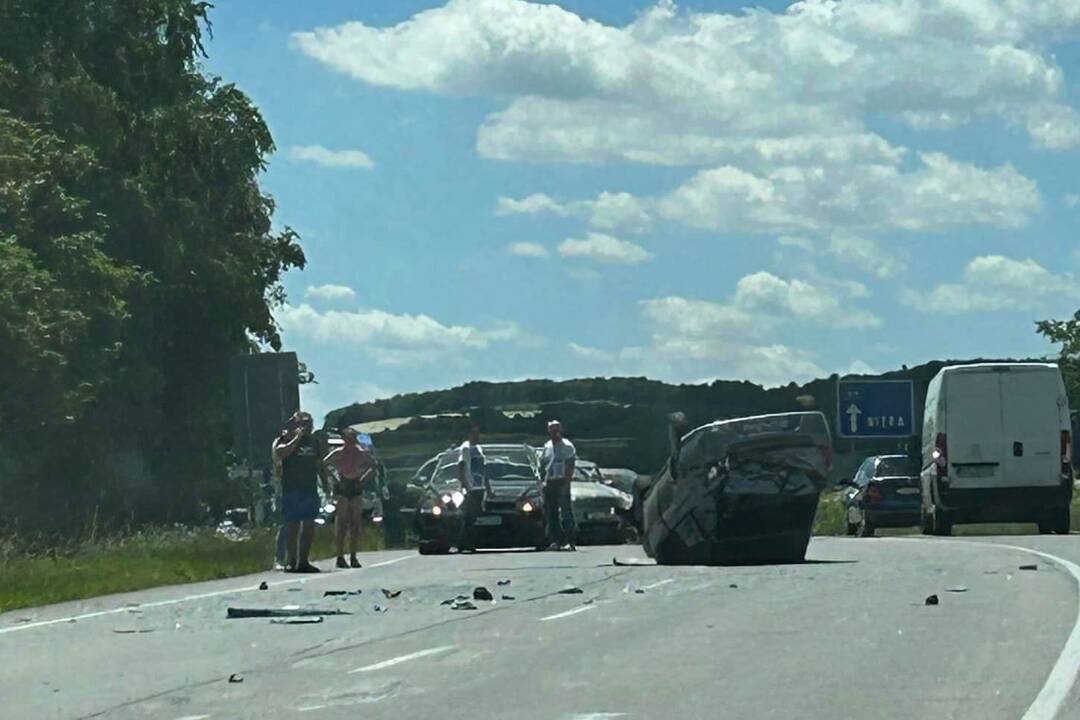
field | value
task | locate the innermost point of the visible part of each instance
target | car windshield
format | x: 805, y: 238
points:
x: 897, y: 467
x: 501, y: 464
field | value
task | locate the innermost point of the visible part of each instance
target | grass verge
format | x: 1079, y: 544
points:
x: 142, y: 560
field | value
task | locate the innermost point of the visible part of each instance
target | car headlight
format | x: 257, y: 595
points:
x: 457, y: 497
x: 446, y: 499
x: 329, y: 508
x: 436, y: 511
x: 527, y: 507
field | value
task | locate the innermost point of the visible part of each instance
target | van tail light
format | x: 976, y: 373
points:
x: 1066, y: 456
x: 873, y: 493
x: 941, y: 454
x: 826, y: 454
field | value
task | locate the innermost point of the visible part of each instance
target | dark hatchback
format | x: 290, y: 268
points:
x: 883, y: 494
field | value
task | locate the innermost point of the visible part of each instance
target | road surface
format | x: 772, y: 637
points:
x: 845, y: 635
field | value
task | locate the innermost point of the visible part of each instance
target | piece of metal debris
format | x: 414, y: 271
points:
x: 342, y: 593
x: 462, y: 605
x: 264, y: 586
x: 503, y: 583
x: 631, y: 562
x: 380, y: 609
x: 957, y: 589
x: 297, y: 620
x: 390, y: 593
x: 1029, y: 567
x: 931, y: 600
x: 571, y: 591
x: 508, y: 597
x: 733, y: 586
x: 235, y: 613
x: 132, y: 631
x: 236, y: 678
x: 639, y: 591
x: 482, y: 593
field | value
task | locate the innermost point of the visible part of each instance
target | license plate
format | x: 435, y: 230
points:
x: 907, y: 491
x: 599, y: 516
x: 489, y: 520
x: 974, y: 470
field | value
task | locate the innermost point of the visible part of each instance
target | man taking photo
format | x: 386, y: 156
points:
x: 557, y: 470
x: 301, y: 471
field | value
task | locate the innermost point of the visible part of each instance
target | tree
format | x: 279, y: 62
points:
x: 1067, y: 333
x: 144, y: 250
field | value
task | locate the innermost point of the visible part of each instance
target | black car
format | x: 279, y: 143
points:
x: 514, y: 517
x: 883, y: 494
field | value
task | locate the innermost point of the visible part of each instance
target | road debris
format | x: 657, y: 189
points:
x: 297, y: 620
x: 931, y: 600
x: 341, y: 593
x: 632, y: 562
x: 390, y: 593
x: 1029, y: 567
x: 571, y: 591
x: 957, y: 589
x: 234, y: 613
x: 132, y: 631
x: 236, y: 678
x: 503, y: 583
x: 264, y: 586
x: 462, y: 605
x: 508, y: 597
x: 639, y: 591
x: 733, y: 586
x: 380, y: 609
x: 482, y: 593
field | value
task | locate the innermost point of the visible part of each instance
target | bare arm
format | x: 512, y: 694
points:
x: 570, y: 469
x: 285, y: 449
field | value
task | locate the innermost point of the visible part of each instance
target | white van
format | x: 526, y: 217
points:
x: 996, y: 447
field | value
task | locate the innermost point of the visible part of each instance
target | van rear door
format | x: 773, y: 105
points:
x: 974, y: 430
x: 1031, y: 407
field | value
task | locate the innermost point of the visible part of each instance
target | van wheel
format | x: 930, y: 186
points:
x: 942, y: 523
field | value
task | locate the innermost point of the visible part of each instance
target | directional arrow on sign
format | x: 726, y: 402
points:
x: 853, y: 413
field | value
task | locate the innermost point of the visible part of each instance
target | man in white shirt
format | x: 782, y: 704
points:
x: 557, y: 470
x: 475, y: 484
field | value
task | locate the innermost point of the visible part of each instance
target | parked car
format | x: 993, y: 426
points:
x: 619, y: 478
x: 513, y: 518
x: 738, y: 491
x: 996, y: 447
x: 604, y: 515
x: 883, y: 494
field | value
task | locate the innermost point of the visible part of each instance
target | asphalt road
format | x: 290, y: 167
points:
x: 846, y: 635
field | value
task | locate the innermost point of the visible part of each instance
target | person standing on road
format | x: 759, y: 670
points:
x: 557, y: 470
x: 476, y: 486
x: 354, y: 466
x: 282, y: 544
x: 301, y: 472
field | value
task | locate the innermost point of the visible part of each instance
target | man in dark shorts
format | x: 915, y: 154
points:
x: 301, y: 471
x: 354, y: 466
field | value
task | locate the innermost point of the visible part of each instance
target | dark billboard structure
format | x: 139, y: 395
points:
x: 265, y: 393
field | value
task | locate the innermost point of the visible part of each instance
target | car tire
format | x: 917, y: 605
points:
x: 852, y: 529
x: 432, y: 547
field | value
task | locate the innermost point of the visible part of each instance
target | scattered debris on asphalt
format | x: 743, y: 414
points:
x: 1029, y: 567
x: 503, y: 583
x: 295, y: 589
x: 462, y: 605
x: 508, y: 597
x: 341, y: 593
x: 234, y: 613
x: 931, y: 600
x: 481, y: 593
x: 297, y: 620
x: 236, y: 678
x: 639, y: 591
x: 132, y: 631
x: 957, y: 589
x: 380, y: 609
x: 990, y: 572
x: 733, y: 586
x: 571, y: 591
x: 390, y: 593
x: 263, y: 585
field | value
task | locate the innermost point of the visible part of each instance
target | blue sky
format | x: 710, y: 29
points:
x: 494, y: 189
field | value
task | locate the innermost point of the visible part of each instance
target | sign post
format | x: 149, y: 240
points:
x: 875, y: 408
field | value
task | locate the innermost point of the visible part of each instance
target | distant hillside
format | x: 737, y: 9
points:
x: 616, y: 421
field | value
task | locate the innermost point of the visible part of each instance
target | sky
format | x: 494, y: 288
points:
x: 500, y: 189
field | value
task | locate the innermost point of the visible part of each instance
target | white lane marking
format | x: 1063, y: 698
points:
x: 1055, y: 691
x: 657, y: 584
x: 568, y: 613
x: 402, y: 659
x: 186, y: 598
x: 309, y: 708
x: 193, y: 717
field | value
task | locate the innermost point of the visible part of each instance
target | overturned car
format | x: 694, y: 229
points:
x: 738, y: 491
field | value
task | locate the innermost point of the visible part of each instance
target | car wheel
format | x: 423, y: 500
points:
x: 433, y: 547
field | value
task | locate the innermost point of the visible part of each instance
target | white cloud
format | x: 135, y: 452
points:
x: 995, y: 283
x: 331, y: 158
x: 796, y: 241
x: 530, y: 205
x: 390, y: 339
x: 766, y: 294
x: 591, y: 354
x: 609, y: 211
x: 527, y: 249
x: 1054, y: 127
x: 330, y: 292
x: 604, y: 248
x: 865, y: 254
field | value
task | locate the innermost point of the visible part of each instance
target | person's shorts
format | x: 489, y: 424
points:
x: 299, y: 506
x: 348, y: 488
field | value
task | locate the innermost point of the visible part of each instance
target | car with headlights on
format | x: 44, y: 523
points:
x: 512, y: 518
x: 603, y: 514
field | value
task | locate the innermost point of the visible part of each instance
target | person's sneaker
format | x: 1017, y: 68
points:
x: 307, y: 568
x: 290, y: 567
x: 553, y: 547
x: 341, y: 563
x: 279, y: 567
x: 353, y: 562
x: 569, y: 547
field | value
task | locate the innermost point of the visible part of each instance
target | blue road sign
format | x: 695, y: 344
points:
x: 875, y: 408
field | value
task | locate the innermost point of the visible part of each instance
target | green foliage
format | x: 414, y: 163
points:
x: 1067, y: 333
x: 137, y: 255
